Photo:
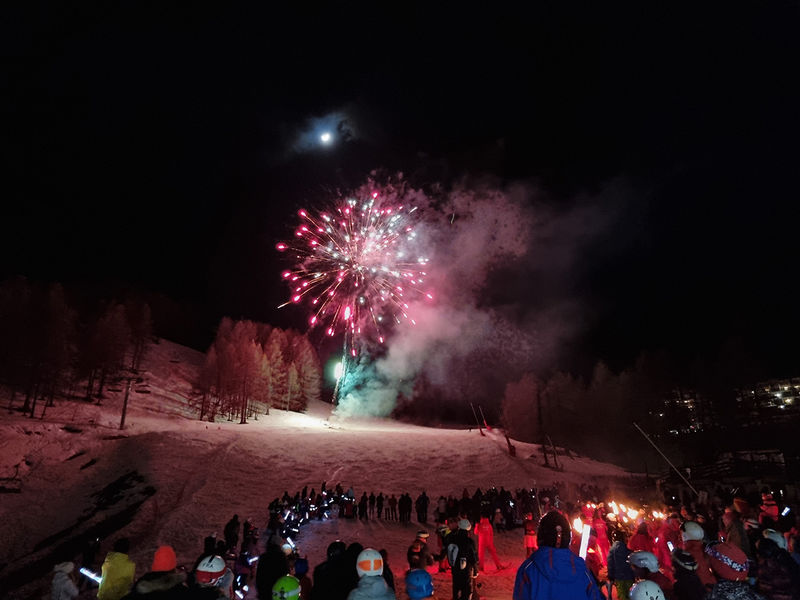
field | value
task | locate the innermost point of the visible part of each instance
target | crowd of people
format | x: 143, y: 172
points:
x: 690, y: 552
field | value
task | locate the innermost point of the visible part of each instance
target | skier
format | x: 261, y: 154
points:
x: 463, y: 560
x: 645, y: 566
x: 419, y: 584
x: 372, y: 501
x: 392, y: 516
x: 485, y: 533
x: 371, y: 584
x: 419, y: 555
x: 231, y: 533
x: 117, y: 572
x: 163, y: 580
x: 286, y: 588
x: 213, y: 573
x: 692, y: 534
x: 379, y: 504
x: 422, y: 507
x: 553, y: 571
x: 529, y: 527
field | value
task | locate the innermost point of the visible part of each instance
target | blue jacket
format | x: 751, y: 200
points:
x: 618, y: 567
x: 554, y: 574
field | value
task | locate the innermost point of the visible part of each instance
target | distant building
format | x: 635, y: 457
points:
x: 682, y: 411
x: 775, y: 400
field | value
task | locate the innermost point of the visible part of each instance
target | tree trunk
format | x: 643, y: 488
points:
x: 89, y: 386
x: 103, y: 374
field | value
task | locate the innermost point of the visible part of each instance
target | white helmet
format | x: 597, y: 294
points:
x: 644, y: 559
x: 692, y: 531
x: 210, y: 570
x: 646, y: 590
x: 775, y: 536
x: 369, y: 563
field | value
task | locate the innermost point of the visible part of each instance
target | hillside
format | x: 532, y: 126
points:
x: 169, y: 478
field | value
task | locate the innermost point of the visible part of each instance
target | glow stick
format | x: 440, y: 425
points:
x: 250, y: 561
x: 585, y: 540
x: 90, y: 574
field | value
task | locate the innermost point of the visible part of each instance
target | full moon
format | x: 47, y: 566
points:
x: 325, y: 138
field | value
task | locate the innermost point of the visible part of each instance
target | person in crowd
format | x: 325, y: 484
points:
x: 64, y: 586
x: 387, y: 570
x: 778, y: 574
x: 647, y: 590
x: 392, y: 516
x: 118, y: 572
x: 669, y: 534
x: 272, y: 565
x: 372, y: 501
x: 529, y: 534
x: 730, y: 566
x: 463, y: 560
x: 687, y: 585
x: 363, y: 507
x: 371, y: 584
x: 286, y: 588
x: 620, y: 575
x: 209, y: 546
x: 641, y: 540
x: 212, y: 579
x: 331, y: 579
x: 485, y: 533
x: 231, y: 533
x: 553, y: 571
x: 419, y: 555
x: 692, y: 535
x: 379, y: 504
x: 300, y: 570
x: 645, y: 566
x: 162, y: 582
x: 733, y: 531
x: 419, y: 584
x: 421, y: 505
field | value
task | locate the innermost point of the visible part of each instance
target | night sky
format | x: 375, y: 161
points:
x: 167, y: 150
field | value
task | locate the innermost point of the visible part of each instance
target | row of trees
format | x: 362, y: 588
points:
x: 252, y: 366
x: 49, y: 349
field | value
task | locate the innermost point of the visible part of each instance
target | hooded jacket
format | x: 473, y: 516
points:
x: 63, y: 586
x: 554, y: 574
x: 118, y: 572
x: 372, y: 588
x: 160, y: 584
x: 618, y: 567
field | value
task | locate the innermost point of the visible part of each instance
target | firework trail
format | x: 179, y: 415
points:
x: 357, y: 266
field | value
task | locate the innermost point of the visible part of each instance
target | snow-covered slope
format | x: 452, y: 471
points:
x: 168, y: 478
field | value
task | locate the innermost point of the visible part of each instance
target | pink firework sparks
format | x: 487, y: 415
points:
x: 356, y: 265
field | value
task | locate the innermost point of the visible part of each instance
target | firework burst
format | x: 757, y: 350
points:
x: 357, y: 266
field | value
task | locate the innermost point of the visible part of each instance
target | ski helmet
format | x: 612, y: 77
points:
x: 646, y: 590
x: 285, y: 588
x: 644, y: 560
x: 369, y: 563
x: 419, y: 584
x: 776, y: 537
x: 464, y: 524
x: 692, y: 531
x: 210, y: 570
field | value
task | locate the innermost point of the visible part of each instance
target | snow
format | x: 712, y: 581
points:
x: 186, y: 478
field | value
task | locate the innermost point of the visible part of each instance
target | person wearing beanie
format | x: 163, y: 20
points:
x: 118, y: 572
x: 463, y: 559
x: 687, y: 584
x: 693, y: 534
x: 419, y: 555
x: 730, y: 564
x: 163, y: 581
x: 620, y: 575
x: 554, y: 571
x: 778, y: 574
x: 371, y: 584
x: 63, y: 587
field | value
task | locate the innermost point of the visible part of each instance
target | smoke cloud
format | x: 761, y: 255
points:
x: 505, y: 268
